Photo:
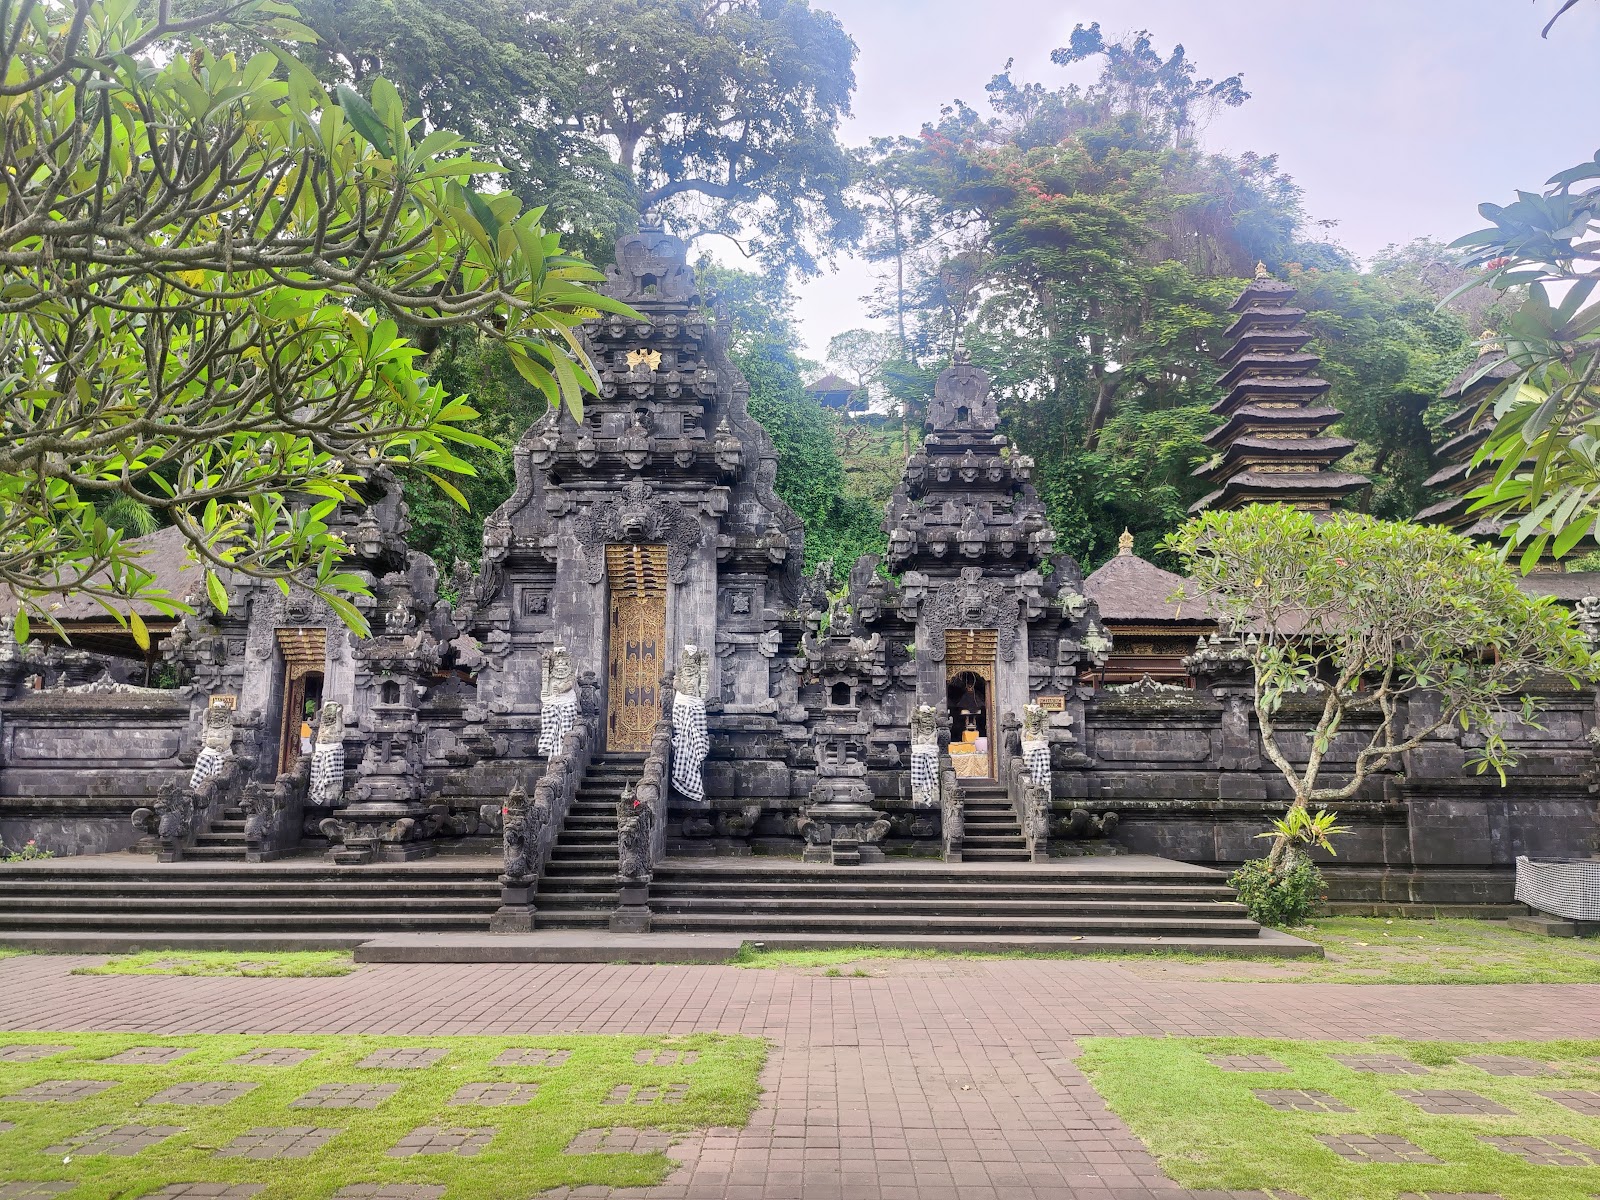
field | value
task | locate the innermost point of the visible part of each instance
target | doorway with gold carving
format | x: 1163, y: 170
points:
x: 969, y: 697
x: 636, y: 635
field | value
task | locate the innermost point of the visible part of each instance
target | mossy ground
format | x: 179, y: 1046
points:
x: 1210, y: 1131
x: 292, y: 964
x: 1359, y: 950
x: 525, y: 1156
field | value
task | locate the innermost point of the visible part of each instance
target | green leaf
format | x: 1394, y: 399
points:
x: 19, y: 628
x: 141, y: 635
x: 364, y: 119
x: 217, y: 593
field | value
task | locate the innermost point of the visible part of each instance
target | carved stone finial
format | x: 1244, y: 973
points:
x: 1125, y: 542
x: 1262, y: 272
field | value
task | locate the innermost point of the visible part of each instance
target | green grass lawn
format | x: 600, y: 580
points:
x: 1210, y: 1131
x: 525, y: 1155
x: 1359, y: 950
x: 295, y: 964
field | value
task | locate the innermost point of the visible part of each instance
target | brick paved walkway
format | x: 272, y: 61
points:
x: 940, y: 1080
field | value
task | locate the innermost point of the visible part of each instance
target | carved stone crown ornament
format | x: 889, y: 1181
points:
x: 637, y: 516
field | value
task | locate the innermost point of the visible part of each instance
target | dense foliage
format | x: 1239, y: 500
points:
x: 1279, y: 896
x: 209, y: 266
x: 722, y: 115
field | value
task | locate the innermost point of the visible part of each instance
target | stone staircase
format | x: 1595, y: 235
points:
x: 993, y: 832
x: 306, y: 899
x: 222, y: 842
x: 790, y: 901
x: 579, y: 886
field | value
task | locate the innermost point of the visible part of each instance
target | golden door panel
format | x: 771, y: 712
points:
x: 636, y: 644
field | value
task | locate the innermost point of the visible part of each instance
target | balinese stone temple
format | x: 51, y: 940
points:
x: 639, y: 712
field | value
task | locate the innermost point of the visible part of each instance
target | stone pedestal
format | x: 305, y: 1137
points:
x: 844, y: 833
x: 516, y: 911
x: 633, y: 908
x: 379, y: 832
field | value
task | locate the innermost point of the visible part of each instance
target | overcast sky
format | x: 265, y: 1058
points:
x: 1397, y: 117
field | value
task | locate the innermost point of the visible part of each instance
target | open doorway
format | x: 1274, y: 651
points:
x: 302, y: 663
x: 967, y: 695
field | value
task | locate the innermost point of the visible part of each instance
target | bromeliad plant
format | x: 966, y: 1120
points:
x: 1394, y: 632
x: 210, y: 269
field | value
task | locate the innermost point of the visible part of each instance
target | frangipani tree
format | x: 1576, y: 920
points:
x: 1364, y: 614
x: 210, y: 267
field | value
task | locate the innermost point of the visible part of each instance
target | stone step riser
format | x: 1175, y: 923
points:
x: 955, y: 908
x: 828, y: 892
x: 303, y: 923
x: 1083, y: 926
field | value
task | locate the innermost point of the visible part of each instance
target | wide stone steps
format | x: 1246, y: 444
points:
x: 579, y: 886
x: 132, y: 896
x: 1048, y: 900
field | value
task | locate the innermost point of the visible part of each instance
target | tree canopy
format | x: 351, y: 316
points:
x: 721, y: 116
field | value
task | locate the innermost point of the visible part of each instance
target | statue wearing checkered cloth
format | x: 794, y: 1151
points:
x: 216, y: 742
x: 690, y: 742
x: 925, y: 757
x: 1036, y: 744
x: 327, y: 757
x: 558, y: 694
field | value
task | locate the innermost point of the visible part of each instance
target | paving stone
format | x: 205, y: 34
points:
x: 29, y: 1189
x: 210, y: 1191
x: 148, y: 1056
x: 1381, y: 1064
x: 619, y: 1139
x: 666, y: 1058
x: 1247, y: 1062
x: 279, y: 1141
x: 1443, y: 1102
x: 495, y: 1095
x: 1584, y: 1103
x: 1552, y: 1151
x: 30, y: 1053
x: 439, y: 1139
x: 120, y: 1140
x: 389, y: 1191
x: 6, y: 1126
x: 1300, y: 1100
x: 346, y: 1095
x: 403, y: 1058
x: 272, y: 1056
x: 1376, y: 1147
x: 210, y: 1092
x: 532, y: 1057
x: 62, y: 1091
x: 628, y: 1093
x: 1507, y: 1064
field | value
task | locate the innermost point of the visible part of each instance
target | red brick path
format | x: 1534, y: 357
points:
x: 941, y: 1080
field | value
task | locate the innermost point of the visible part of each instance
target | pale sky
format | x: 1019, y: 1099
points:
x: 1397, y: 117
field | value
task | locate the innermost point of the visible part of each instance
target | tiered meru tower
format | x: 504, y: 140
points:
x: 1465, y: 434
x: 1273, y: 445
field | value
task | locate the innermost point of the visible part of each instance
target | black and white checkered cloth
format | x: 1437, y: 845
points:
x: 924, y: 776
x: 690, y: 745
x: 206, y: 765
x: 327, y: 774
x: 1567, y: 888
x: 559, y: 716
x: 1036, y: 755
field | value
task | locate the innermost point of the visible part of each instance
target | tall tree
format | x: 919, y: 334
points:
x: 721, y: 114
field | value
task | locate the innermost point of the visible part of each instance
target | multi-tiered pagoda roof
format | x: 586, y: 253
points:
x: 1466, y: 431
x: 1273, y: 445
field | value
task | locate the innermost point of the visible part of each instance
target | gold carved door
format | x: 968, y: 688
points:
x: 636, y: 637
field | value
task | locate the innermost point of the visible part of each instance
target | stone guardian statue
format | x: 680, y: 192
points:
x: 925, y: 757
x: 327, y: 757
x: 558, y: 695
x: 216, y: 743
x: 690, y: 742
x: 1036, y: 744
